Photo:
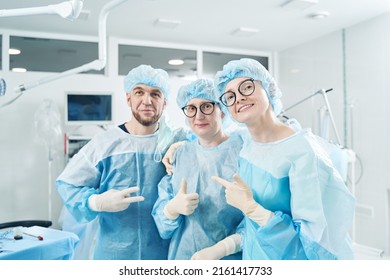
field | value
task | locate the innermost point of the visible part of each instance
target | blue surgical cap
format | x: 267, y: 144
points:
x: 145, y: 74
x: 201, y: 88
x: 250, y: 68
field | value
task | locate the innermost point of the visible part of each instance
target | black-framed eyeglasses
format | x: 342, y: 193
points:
x: 206, y: 108
x: 245, y: 88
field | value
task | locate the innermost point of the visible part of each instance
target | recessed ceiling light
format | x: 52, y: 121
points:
x: 320, y: 15
x: 14, y: 51
x: 175, y: 62
x: 19, y: 70
x: 167, y: 23
x: 245, y: 32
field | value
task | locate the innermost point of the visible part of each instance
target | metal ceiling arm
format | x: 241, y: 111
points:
x: 68, y: 9
x: 97, y: 64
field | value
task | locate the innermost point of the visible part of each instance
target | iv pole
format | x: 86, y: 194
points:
x: 322, y: 92
x: 351, y: 154
x: 351, y: 160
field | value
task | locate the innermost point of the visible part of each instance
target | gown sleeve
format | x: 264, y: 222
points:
x: 165, y: 226
x: 76, y: 184
x: 322, y: 210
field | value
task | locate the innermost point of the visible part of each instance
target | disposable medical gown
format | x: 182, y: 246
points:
x: 313, y: 208
x: 85, y: 231
x: 117, y: 160
x: 214, y: 219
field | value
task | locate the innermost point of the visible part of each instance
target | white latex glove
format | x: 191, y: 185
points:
x: 239, y: 195
x: 169, y: 156
x: 113, y: 200
x: 182, y: 203
x: 225, y: 247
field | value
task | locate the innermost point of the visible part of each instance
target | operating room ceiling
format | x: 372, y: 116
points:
x: 206, y: 22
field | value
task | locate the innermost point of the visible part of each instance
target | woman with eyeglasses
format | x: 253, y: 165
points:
x: 296, y: 204
x: 191, y: 209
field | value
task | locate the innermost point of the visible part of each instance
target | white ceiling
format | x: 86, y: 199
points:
x: 205, y: 22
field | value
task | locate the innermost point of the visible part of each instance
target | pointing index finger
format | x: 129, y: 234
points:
x: 223, y: 182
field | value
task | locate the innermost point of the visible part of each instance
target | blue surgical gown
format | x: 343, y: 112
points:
x: 85, y: 231
x: 116, y: 160
x: 313, y: 208
x: 213, y: 219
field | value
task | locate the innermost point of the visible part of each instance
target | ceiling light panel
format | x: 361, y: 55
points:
x: 12, y: 51
x: 19, y: 70
x: 176, y: 62
x: 167, y: 23
x: 320, y: 15
x: 299, y: 4
x: 245, y: 32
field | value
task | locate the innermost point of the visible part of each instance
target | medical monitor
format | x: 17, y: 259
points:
x: 83, y: 108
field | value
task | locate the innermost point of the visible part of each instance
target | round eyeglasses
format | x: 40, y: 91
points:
x: 206, y: 108
x: 245, y: 88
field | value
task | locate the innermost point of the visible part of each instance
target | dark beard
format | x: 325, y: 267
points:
x: 146, y: 122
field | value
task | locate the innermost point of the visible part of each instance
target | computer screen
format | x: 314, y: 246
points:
x: 88, y: 108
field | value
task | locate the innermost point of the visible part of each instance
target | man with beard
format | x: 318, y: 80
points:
x: 114, y: 177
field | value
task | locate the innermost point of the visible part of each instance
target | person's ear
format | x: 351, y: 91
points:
x: 165, y: 104
x: 222, y: 113
x: 128, y: 98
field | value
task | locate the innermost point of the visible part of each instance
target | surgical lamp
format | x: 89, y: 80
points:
x: 97, y: 64
x: 68, y: 9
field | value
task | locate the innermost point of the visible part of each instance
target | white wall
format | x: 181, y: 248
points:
x: 365, y: 127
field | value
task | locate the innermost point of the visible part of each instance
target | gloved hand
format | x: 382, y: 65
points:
x: 182, y: 203
x: 225, y: 247
x: 239, y: 195
x: 169, y: 155
x: 113, y: 200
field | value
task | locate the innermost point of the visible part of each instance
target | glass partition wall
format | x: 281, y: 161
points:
x: 214, y: 61
x: 177, y: 62
x: 50, y: 55
x: 33, y: 54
